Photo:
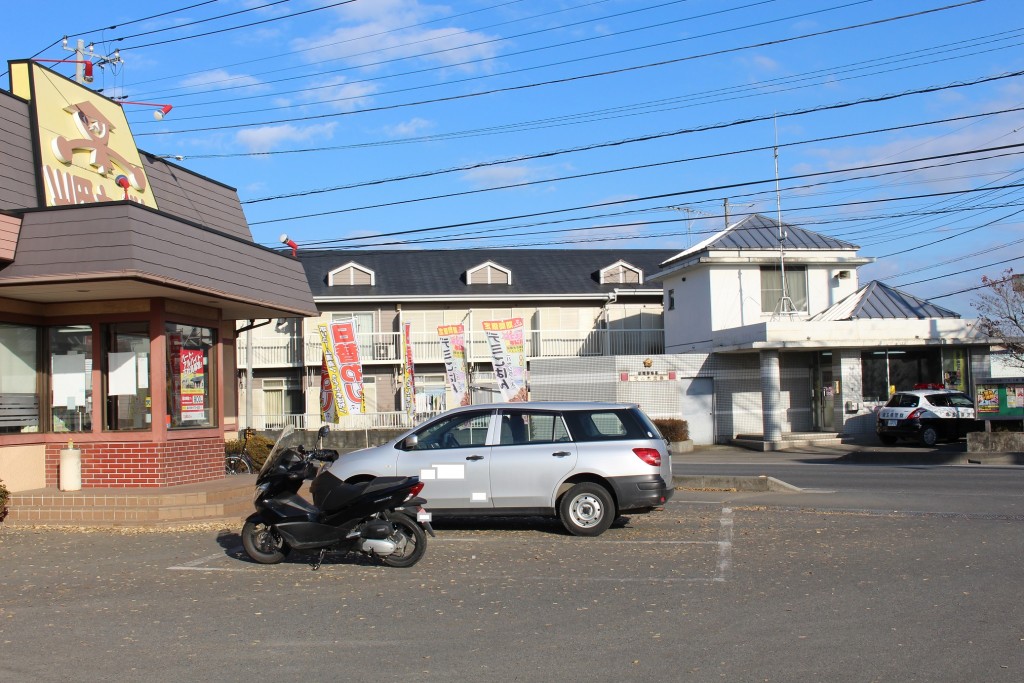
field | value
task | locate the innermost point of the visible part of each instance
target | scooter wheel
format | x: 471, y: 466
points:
x: 410, y: 539
x: 263, y: 544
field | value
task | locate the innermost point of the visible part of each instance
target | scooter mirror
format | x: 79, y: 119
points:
x: 324, y: 431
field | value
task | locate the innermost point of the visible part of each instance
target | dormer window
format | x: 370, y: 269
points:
x: 621, y: 273
x: 489, y: 273
x: 351, y: 274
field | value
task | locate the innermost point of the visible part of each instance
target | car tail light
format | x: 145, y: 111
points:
x: 651, y: 456
x: 916, y: 414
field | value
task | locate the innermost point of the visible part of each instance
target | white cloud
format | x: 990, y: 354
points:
x: 219, y: 78
x: 339, y: 94
x: 266, y: 138
x: 408, y: 128
x: 495, y: 176
x: 765, y: 63
x: 369, y: 33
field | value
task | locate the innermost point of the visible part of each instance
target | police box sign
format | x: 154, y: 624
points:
x: 647, y: 376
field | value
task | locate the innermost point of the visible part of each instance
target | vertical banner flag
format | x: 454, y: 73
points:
x: 328, y: 407
x: 505, y: 339
x: 410, y: 375
x: 341, y: 355
x: 453, y: 350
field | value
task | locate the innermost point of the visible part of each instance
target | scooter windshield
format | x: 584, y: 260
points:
x: 285, y: 441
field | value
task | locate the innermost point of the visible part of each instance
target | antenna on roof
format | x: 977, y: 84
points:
x: 689, y: 211
x: 785, y: 305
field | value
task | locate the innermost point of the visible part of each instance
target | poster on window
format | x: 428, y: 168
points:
x: 341, y: 355
x: 174, y: 354
x: 409, y: 384
x: 193, y: 386
x: 508, y: 356
x: 453, y: 351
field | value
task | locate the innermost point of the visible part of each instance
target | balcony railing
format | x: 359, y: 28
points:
x: 387, y: 348
x: 356, y: 422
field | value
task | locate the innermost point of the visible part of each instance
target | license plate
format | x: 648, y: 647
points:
x: 891, y: 423
x: 423, y: 515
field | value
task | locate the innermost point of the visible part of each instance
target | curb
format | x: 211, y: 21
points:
x: 867, y: 457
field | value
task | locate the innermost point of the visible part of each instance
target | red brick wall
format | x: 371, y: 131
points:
x: 126, y: 464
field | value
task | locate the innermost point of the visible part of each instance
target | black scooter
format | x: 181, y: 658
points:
x: 382, y: 518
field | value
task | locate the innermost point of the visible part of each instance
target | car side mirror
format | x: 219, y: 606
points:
x: 410, y: 442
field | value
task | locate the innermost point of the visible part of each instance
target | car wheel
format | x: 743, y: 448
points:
x: 887, y: 439
x: 929, y: 437
x: 587, y: 510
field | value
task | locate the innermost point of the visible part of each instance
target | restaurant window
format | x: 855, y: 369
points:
x: 19, y: 372
x: 190, y: 375
x: 771, y: 288
x: 127, y: 400
x: 71, y: 378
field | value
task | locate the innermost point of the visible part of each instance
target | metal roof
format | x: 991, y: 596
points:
x: 877, y: 301
x: 760, y: 232
x: 441, y: 273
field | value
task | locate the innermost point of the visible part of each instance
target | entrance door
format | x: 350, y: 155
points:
x: 697, y: 404
x: 826, y: 400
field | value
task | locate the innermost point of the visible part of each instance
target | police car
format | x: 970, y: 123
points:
x: 926, y: 415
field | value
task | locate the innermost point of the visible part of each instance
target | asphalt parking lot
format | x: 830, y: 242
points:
x: 710, y: 589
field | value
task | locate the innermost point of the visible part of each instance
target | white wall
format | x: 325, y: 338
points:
x: 688, y: 327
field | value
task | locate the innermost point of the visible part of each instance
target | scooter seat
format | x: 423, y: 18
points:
x: 383, y: 483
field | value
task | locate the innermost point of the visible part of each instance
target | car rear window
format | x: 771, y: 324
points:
x: 903, y: 401
x: 961, y: 400
x: 606, y: 425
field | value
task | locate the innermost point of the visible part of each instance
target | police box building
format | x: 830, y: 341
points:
x: 748, y: 360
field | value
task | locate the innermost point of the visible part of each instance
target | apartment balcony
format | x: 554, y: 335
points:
x: 386, y: 348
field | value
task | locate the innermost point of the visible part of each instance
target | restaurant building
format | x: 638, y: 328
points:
x: 122, y: 276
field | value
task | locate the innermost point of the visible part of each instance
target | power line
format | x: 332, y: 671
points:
x: 235, y: 28
x: 727, y: 186
x: 661, y: 105
x: 503, y: 56
x: 580, y: 77
x: 485, y: 164
x: 432, y: 53
x: 369, y: 35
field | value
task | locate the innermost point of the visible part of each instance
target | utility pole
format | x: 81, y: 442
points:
x: 83, y: 54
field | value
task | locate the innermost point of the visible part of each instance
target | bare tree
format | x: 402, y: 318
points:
x: 1001, y: 313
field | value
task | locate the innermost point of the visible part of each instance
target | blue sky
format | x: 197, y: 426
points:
x: 585, y: 123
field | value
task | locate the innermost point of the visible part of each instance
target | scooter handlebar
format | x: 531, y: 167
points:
x: 326, y: 455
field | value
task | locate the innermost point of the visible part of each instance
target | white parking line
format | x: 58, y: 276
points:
x: 724, y: 545
x: 723, y: 566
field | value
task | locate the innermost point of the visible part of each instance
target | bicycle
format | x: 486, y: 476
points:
x: 240, y: 463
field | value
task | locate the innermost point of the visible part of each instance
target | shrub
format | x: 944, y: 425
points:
x: 673, y: 429
x: 5, y: 495
x: 259, y: 448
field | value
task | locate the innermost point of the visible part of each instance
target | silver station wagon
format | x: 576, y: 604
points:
x: 584, y: 462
